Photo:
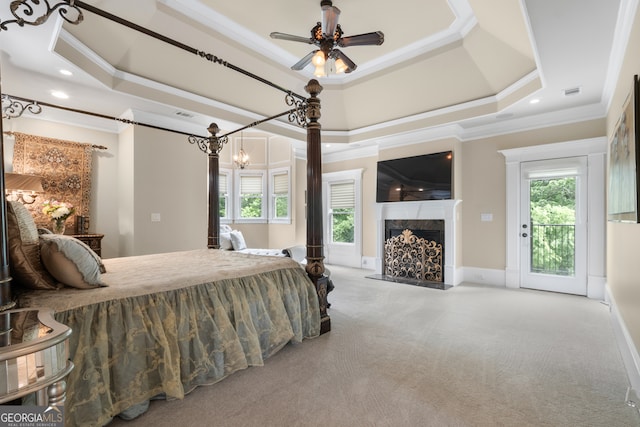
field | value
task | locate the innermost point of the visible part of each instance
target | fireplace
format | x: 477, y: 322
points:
x: 413, y: 249
x: 424, y: 235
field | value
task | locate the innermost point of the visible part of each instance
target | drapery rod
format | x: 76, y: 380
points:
x: 94, y: 146
x: 208, y: 56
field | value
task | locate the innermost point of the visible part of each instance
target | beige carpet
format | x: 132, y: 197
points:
x: 401, y: 355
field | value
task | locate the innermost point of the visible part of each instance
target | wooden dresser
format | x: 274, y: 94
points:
x: 94, y: 241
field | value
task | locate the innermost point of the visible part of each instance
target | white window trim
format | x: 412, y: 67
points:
x: 272, y: 205
x: 353, y: 256
x: 230, y: 202
x: 236, y: 196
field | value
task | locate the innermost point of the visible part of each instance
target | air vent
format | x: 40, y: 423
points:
x: 572, y: 91
x: 183, y: 114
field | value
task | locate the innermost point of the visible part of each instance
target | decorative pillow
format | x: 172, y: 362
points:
x: 224, y: 228
x: 225, y: 241
x: 71, y: 261
x: 24, y: 249
x: 237, y: 240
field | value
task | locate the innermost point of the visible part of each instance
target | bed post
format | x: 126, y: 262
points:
x: 315, y: 256
x: 6, y: 301
x: 213, y: 238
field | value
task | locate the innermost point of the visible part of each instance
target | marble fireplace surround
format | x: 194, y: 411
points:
x: 431, y: 209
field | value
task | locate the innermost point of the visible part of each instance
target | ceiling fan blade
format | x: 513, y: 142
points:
x: 337, y: 54
x: 289, y: 37
x: 304, y: 61
x: 375, y: 38
x: 330, y: 15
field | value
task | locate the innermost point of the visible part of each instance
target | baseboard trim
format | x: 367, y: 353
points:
x: 485, y: 276
x: 628, y: 350
x: 368, y: 263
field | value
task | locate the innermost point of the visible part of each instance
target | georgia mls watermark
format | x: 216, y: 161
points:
x: 31, y: 416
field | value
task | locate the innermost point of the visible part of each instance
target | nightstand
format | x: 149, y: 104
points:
x: 34, y: 357
x: 94, y: 241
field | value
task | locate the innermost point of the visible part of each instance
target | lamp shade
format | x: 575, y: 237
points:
x: 17, y: 181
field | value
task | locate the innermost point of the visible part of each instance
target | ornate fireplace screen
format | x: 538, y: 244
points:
x: 410, y: 256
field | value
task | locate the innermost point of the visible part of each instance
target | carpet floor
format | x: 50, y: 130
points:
x: 403, y: 355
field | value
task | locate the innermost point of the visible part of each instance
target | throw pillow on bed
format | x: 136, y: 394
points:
x: 24, y: 249
x: 71, y: 261
x: 237, y: 240
x: 225, y: 241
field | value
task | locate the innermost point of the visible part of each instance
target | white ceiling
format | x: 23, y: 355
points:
x: 462, y: 68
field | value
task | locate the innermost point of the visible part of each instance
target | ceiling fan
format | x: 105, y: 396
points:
x: 327, y: 35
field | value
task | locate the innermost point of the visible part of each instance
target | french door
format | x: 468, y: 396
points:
x: 553, y: 233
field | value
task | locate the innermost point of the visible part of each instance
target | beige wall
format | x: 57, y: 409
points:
x: 479, y: 181
x: 623, y: 239
x: 170, y: 180
x: 104, y: 205
x: 146, y: 171
x: 484, y: 188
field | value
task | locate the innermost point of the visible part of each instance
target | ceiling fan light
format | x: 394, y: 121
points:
x: 319, y: 72
x: 318, y: 59
x: 341, y: 67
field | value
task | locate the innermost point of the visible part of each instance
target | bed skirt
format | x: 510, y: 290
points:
x: 128, y: 350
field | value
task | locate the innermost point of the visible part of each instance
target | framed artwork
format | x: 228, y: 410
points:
x: 622, y: 204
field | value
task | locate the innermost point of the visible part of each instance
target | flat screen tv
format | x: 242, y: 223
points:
x: 425, y: 177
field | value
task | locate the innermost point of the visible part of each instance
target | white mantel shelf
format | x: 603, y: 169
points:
x: 430, y: 209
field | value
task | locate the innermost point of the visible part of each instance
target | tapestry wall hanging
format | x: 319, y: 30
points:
x: 65, y: 168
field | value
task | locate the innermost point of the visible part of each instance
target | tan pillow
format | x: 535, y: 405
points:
x: 71, y: 261
x: 24, y: 250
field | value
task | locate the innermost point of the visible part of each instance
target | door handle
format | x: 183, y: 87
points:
x: 524, y: 234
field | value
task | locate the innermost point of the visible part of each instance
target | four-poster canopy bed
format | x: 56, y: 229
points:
x: 164, y: 324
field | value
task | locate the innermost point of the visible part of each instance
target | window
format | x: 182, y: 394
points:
x: 342, y: 212
x: 251, y: 201
x: 280, y: 196
x: 223, y: 194
x: 342, y: 198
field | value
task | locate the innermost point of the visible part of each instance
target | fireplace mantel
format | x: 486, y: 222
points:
x: 431, y: 209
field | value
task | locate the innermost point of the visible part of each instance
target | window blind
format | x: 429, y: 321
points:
x: 222, y: 183
x: 250, y: 184
x: 281, y: 184
x: 343, y: 195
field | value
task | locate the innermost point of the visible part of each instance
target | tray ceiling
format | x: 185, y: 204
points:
x: 442, y: 63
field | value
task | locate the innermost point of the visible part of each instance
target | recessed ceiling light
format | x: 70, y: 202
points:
x: 327, y: 145
x: 534, y: 101
x: 66, y: 72
x: 59, y: 94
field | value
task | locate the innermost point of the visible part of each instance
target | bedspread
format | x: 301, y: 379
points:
x: 168, y: 323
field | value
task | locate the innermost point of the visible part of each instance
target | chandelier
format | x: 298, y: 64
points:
x: 242, y: 158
